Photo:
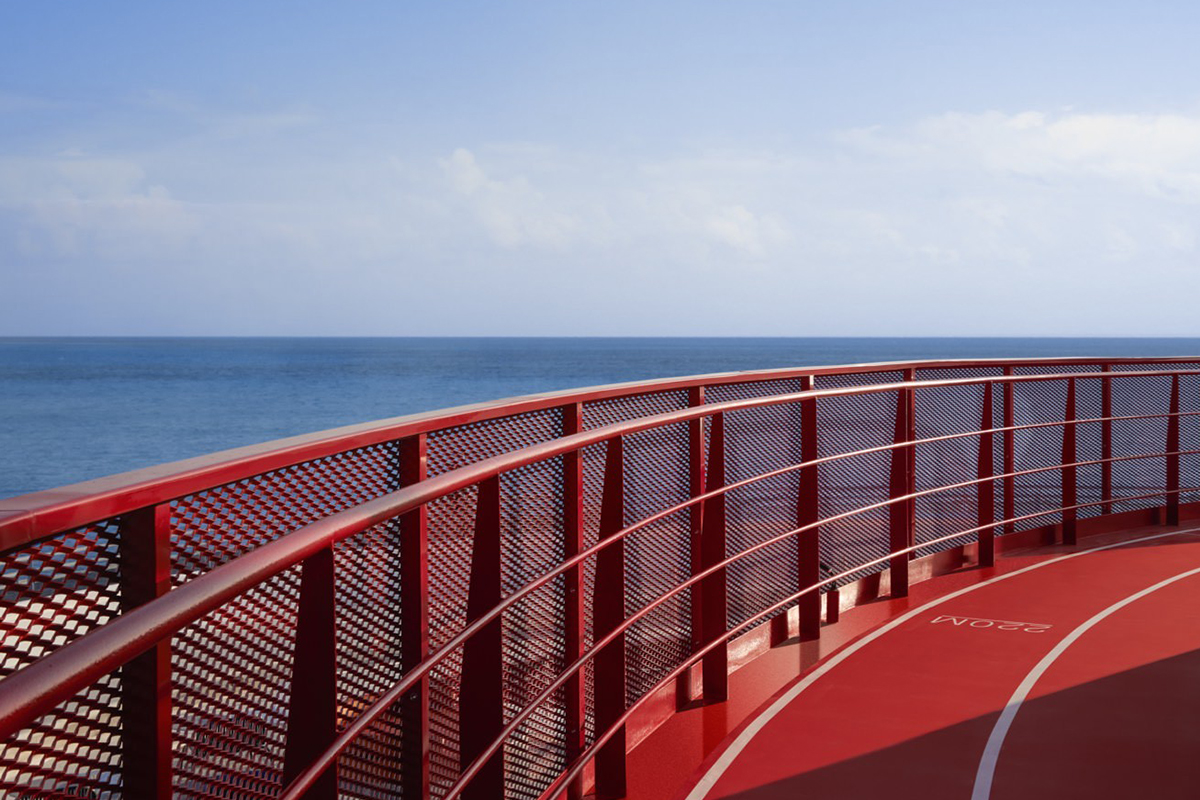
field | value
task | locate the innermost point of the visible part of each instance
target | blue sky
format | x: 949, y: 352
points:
x: 748, y: 168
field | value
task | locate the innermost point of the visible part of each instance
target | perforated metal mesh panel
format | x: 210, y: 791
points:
x: 940, y: 412
x: 1089, y: 485
x: 367, y: 619
x: 55, y: 591
x: 1189, y: 437
x: 231, y: 671
x: 659, y: 556
x: 1131, y: 397
x: 531, y: 541
x: 946, y: 411
x: 1041, y: 401
x: 1156, y: 396
x: 845, y: 425
x: 534, y: 630
x: 758, y: 441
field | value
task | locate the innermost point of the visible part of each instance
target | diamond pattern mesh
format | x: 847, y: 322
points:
x: 532, y: 540
x: 845, y: 425
x: 232, y: 670
x: 659, y: 556
x: 963, y: 408
x: 944, y: 411
x: 760, y: 440
x: 1189, y: 437
x: 55, y: 591
x: 367, y: 614
x: 1130, y: 397
x: 1039, y: 401
x: 1189, y: 428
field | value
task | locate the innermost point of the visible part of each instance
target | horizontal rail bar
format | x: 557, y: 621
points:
x: 33, y: 516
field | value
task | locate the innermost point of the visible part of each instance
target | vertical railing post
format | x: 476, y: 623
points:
x: 910, y: 467
x: 312, y: 700
x: 780, y: 626
x: 574, y: 612
x: 985, y: 500
x: 481, y: 696
x: 414, y: 622
x: 807, y: 513
x: 713, y: 588
x: 1106, y: 451
x: 1069, y: 481
x: 696, y: 458
x: 1010, y: 483
x: 607, y: 615
x: 900, y: 513
x: 1172, y: 482
x: 145, y: 558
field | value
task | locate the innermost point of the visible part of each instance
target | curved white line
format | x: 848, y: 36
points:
x: 991, y: 752
x: 714, y: 773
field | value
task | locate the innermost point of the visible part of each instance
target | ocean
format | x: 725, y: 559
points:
x: 78, y: 408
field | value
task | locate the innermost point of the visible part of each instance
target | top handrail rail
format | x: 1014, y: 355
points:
x: 41, y: 685
x: 26, y: 518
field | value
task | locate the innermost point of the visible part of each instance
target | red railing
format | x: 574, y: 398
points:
x: 477, y: 602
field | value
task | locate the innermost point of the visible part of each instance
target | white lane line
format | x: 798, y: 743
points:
x: 714, y: 773
x: 991, y: 752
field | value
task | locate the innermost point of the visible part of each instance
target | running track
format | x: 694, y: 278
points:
x: 970, y: 696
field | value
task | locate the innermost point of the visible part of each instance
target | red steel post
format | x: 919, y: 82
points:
x: 985, y: 500
x: 414, y: 622
x: 481, y: 697
x: 1172, y: 511
x: 807, y: 513
x: 574, y: 581
x: 312, y: 704
x: 716, y: 661
x: 899, y: 518
x: 1069, y: 484
x: 833, y: 605
x: 607, y: 615
x: 780, y: 629
x: 146, y: 680
x: 1010, y: 484
x: 910, y: 466
x: 1106, y: 467
x: 696, y: 459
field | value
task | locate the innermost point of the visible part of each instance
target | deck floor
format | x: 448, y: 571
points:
x: 1065, y: 673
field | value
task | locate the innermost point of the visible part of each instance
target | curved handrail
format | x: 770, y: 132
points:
x: 40, y: 686
x: 26, y: 518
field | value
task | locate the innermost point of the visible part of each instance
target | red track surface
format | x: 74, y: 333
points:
x: 908, y: 712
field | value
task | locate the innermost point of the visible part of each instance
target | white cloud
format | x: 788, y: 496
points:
x: 1032, y: 210
x: 512, y: 211
x: 100, y: 208
x: 1153, y: 153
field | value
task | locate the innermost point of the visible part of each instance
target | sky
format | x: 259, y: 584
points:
x: 592, y: 169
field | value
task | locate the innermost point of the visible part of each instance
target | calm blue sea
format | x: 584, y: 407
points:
x: 79, y: 408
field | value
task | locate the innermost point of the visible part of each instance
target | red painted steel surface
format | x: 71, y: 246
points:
x: 481, y: 600
x: 1100, y: 683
